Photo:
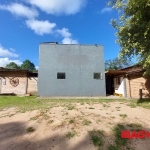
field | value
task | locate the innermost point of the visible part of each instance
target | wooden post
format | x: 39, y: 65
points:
x: 140, y: 93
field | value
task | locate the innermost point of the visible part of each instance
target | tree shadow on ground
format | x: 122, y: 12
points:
x: 14, y: 136
x: 144, y: 100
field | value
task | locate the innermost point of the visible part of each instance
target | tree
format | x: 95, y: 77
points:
x: 133, y: 30
x: 12, y: 65
x: 28, y: 65
x: 117, y: 63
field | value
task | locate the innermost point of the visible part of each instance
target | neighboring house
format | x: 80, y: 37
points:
x: 17, y: 81
x: 128, y: 82
x: 71, y: 70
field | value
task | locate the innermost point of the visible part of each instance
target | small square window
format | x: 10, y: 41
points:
x: 61, y: 75
x: 97, y: 75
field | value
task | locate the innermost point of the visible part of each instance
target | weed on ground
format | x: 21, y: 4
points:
x: 30, y: 129
x: 97, y: 138
x: 123, y: 115
x: 70, y: 135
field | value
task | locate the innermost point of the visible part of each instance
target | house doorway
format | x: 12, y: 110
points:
x: 109, y: 85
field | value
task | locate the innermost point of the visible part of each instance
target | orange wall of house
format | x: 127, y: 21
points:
x: 6, y: 87
x: 134, y: 83
x: 20, y: 89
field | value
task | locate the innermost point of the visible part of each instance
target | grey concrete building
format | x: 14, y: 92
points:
x: 71, y: 70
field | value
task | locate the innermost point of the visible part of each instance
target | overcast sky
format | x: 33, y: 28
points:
x: 26, y: 23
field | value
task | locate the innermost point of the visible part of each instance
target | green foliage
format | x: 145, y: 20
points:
x: 12, y: 65
x: 71, y: 121
x: 27, y: 64
x: 133, y: 30
x: 120, y: 143
x: 86, y: 122
x: 117, y: 133
x: 70, y: 135
x: 123, y: 115
x: 117, y: 63
x: 71, y: 107
x: 33, y: 103
x: 135, y: 125
x: 97, y: 138
x: 30, y: 129
x: 91, y: 108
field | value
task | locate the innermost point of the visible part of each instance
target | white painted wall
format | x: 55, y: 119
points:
x: 119, y: 89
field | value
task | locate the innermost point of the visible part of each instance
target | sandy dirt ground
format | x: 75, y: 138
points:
x: 68, y: 126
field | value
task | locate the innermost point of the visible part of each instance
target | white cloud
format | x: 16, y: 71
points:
x: 106, y: 10
x: 37, y: 67
x: 40, y: 27
x: 64, y: 32
x: 59, y: 7
x: 6, y: 60
x: 6, y: 53
x: 20, y: 10
x: 69, y: 41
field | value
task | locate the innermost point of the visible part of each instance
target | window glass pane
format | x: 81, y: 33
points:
x: 97, y: 75
x: 61, y: 75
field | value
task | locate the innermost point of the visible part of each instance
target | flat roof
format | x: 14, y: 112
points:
x: 56, y: 43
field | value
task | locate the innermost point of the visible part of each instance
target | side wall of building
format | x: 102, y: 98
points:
x: 32, y: 85
x: 136, y: 82
x: 78, y: 62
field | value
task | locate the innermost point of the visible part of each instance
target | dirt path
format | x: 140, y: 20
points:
x: 68, y: 126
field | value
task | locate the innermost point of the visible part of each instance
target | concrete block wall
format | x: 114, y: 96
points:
x: 79, y: 62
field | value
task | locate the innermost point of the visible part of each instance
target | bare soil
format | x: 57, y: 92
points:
x: 67, y: 126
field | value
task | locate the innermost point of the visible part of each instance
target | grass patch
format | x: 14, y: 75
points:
x: 117, y: 133
x: 104, y: 105
x: 97, y: 138
x: 71, y: 107
x: 119, y: 142
x: 91, y: 108
x: 123, y: 115
x: 110, y: 123
x: 30, y: 129
x: 118, y: 107
x: 71, y: 121
x: 32, y: 102
x: 145, y: 103
x: 134, y: 125
x: 132, y: 105
x: 86, y: 122
x: 70, y: 135
x: 112, y: 117
x: 15, y: 101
